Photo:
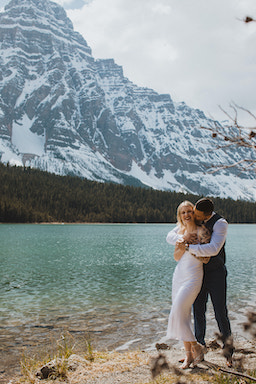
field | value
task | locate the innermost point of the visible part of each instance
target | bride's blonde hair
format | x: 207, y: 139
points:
x: 185, y: 203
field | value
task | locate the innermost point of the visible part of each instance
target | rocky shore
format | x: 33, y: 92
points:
x: 135, y: 367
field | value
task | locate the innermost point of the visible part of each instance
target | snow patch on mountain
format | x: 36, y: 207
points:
x: 25, y: 140
x: 8, y: 155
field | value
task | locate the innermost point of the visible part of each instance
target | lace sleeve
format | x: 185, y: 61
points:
x: 204, y: 235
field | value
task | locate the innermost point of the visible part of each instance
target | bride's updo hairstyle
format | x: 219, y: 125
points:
x: 185, y: 203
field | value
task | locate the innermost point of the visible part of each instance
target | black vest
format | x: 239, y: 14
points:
x: 218, y: 260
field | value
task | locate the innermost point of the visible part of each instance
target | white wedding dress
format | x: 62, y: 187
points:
x: 186, y: 284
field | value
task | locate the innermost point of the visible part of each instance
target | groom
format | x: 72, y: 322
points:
x: 215, y: 273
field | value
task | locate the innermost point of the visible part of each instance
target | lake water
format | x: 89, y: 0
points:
x: 111, y: 283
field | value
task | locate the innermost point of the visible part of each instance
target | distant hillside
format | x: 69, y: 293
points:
x: 29, y: 195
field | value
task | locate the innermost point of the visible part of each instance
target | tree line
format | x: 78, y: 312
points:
x: 32, y: 196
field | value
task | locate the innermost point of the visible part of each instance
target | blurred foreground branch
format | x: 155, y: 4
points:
x: 248, y: 19
x: 236, y: 135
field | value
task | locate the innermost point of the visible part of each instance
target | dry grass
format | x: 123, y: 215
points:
x: 77, y: 363
x: 71, y: 367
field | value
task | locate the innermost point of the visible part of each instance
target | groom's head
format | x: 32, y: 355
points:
x: 203, y: 209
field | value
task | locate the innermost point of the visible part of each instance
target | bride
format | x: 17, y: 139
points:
x: 186, y: 284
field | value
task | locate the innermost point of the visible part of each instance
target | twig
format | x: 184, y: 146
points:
x: 221, y: 167
x: 217, y: 368
x: 245, y: 110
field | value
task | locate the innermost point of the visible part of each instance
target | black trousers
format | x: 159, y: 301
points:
x: 215, y: 285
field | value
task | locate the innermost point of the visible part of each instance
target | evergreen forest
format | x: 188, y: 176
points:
x: 32, y: 196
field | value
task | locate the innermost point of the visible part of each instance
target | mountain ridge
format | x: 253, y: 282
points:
x: 65, y: 112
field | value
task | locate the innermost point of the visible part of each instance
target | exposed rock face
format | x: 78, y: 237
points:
x: 63, y: 111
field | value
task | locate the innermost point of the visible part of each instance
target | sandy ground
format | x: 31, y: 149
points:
x: 135, y: 367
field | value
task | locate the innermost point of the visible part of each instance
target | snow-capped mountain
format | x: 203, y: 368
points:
x: 65, y: 112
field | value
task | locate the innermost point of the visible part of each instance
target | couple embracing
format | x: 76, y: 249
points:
x: 199, y: 240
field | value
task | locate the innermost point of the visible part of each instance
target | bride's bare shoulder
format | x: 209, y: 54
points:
x: 181, y: 231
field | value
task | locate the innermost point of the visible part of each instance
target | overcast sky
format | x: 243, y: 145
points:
x: 198, y: 51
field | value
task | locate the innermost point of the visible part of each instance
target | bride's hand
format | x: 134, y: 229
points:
x: 204, y: 260
x: 180, y: 245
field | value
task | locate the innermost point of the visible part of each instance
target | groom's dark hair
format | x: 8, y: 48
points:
x: 205, y: 205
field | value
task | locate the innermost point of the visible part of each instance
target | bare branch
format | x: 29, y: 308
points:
x: 245, y: 110
x: 233, y: 134
x: 226, y: 166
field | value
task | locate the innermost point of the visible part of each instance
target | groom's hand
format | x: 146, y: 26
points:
x: 191, y: 238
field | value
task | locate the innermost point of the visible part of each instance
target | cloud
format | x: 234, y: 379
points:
x: 197, y: 51
x: 72, y: 4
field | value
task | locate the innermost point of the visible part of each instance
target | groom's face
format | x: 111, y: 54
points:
x: 199, y: 216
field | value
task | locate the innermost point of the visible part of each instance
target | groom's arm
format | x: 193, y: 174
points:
x: 218, y: 238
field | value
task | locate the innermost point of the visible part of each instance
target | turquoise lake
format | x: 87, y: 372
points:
x: 109, y: 282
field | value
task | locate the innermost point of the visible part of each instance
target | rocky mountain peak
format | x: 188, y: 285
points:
x: 65, y: 112
x: 34, y: 17
x: 32, y: 9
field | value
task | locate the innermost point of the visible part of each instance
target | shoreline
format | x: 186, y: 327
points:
x: 133, y: 367
x: 119, y: 333
x: 24, y: 341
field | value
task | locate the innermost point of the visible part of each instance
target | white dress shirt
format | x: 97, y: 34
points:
x: 218, y: 238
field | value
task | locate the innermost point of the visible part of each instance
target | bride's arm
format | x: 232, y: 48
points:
x: 179, y: 250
